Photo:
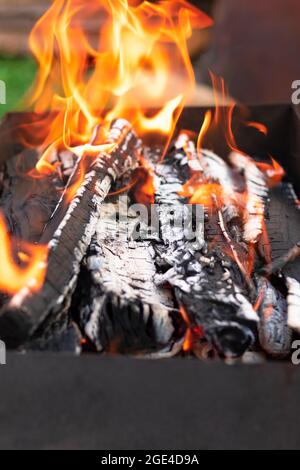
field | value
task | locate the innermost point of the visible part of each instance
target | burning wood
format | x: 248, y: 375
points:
x: 121, y: 309
x: 26, y: 201
x: 275, y: 335
x: 69, y: 233
x: 293, y: 301
x: 208, y: 282
x: 216, y: 169
x: 205, y: 281
x: 278, y: 264
x: 257, y: 193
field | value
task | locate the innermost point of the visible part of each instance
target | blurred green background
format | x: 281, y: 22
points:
x: 18, y: 73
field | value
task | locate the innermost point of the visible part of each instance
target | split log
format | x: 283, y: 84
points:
x: 119, y: 307
x: 62, y: 337
x: 275, y: 336
x: 293, y: 300
x: 257, y: 194
x: 277, y: 265
x: 283, y: 227
x: 68, y: 235
x: 27, y: 202
x: 209, y: 284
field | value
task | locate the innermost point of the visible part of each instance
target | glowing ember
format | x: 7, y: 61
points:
x: 30, y: 271
x: 258, y: 126
x: 274, y: 172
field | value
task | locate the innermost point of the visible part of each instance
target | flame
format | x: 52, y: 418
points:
x: 162, y: 121
x: 30, y: 272
x: 223, y: 114
x: 203, y: 131
x: 188, y: 339
x: 206, y: 193
x: 144, y: 192
x: 259, y: 299
x: 273, y: 172
x: 193, y: 332
x: 259, y: 126
x: 87, y: 82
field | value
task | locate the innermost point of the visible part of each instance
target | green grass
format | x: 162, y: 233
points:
x: 18, y: 74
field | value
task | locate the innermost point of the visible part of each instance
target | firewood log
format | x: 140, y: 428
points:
x: 68, y: 235
x: 209, y: 283
x: 275, y: 336
x: 120, y: 307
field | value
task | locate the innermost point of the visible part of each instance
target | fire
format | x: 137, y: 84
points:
x: 188, y: 339
x: 204, y: 193
x: 274, y: 172
x: 29, y: 271
x: 145, y: 189
x: 162, y: 121
x: 193, y: 332
x: 203, y: 131
x: 87, y: 83
x: 84, y: 83
x: 258, y: 126
x: 222, y: 119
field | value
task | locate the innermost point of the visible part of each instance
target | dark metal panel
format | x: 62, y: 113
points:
x: 113, y: 403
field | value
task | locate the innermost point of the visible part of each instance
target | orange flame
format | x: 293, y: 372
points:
x: 144, y: 192
x: 121, y: 74
x: 203, y: 131
x: 188, y: 339
x: 193, y: 332
x: 223, y: 114
x: 13, y: 275
x: 206, y: 193
x: 259, y: 126
x: 274, y: 172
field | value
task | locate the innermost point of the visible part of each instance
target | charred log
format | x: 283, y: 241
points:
x: 27, y: 202
x: 62, y: 337
x: 275, y: 335
x: 208, y: 282
x: 69, y: 233
x: 120, y: 308
x: 279, y: 263
x: 293, y: 300
x: 257, y: 194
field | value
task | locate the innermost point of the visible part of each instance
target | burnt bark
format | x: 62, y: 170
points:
x: 68, y: 235
x: 208, y: 283
x: 27, y: 202
x: 120, y: 308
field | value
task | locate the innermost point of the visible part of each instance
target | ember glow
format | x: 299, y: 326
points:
x: 258, y: 126
x: 13, y: 275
